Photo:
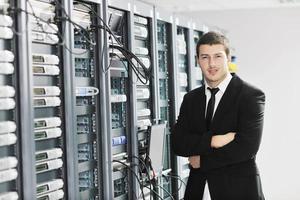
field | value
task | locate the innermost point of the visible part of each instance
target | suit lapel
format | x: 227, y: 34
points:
x: 227, y: 99
x: 199, y: 107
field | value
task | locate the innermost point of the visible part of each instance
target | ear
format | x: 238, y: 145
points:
x: 229, y: 58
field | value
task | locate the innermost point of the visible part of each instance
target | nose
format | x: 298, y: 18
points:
x: 212, y: 62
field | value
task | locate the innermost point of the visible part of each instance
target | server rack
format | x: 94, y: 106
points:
x: 119, y: 92
x: 47, y: 98
x: 182, y: 74
x: 165, y: 68
x: 87, y: 67
x: 143, y: 40
x: 10, y: 137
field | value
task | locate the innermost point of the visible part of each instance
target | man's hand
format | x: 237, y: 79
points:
x: 194, y: 161
x: 218, y: 141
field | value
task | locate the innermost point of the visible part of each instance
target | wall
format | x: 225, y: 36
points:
x: 267, y: 45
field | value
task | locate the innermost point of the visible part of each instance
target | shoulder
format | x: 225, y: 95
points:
x: 249, y: 90
x: 195, y: 93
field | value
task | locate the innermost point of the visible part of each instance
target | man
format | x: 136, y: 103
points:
x: 219, y: 128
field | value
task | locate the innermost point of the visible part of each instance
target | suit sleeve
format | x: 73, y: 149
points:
x: 184, y: 141
x: 248, y: 137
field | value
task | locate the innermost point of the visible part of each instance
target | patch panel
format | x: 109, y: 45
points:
x: 48, y: 154
x: 120, y: 187
x: 118, y: 98
x: 144, y: 112
x: 46, y: 91
x: 82, y: 40
x: 86, y: 124
x: 118, y: 115
x: 8, y: 175
x: 86, y: 180
x: 55, y: 195
x: 143, y: 124
x: 140, y: 20
x: 45, y: 70
x: 163, y: 89
x: 164, y: 113
x: 49, y: 186
x: 7, y: 91
x: 45, y: 59
x: 6, y: 68
x: 7, y: 127
x: 142, y: 93
x: 45, y: 38
x: 7, y: 103
x: 83, y: 129
x: 44, y: 134
x: 84, y: 67
x: 162, y: 60
x: 8, y: 162
x: 42, y: 102
x: 85, y: 101
x: 39, y: 26
x: 6, y: 33
x: 49, y: 122
x: 45, y: 166
x: 6, y: 56
x: 141, y: 51
x: 85, y: 152
x: 118, y: 85
x: 140, y: 31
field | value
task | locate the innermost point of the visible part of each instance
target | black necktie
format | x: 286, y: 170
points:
x: 211, y: 106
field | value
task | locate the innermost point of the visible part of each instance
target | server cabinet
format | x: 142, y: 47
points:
x: 143, y: 40
x: 182, y: 74
x: 10, y: 158
x: 47, y: 99
x: 87, y: 67
x: 166, y: 101
x: 119, y: 94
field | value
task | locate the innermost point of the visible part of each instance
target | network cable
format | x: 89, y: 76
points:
x: 127, y: 54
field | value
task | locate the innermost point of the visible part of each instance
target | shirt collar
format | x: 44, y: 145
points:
x: 222, y: 86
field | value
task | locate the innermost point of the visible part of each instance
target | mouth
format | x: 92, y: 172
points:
x: 212, y: 72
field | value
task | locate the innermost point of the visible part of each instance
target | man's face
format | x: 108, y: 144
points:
x: 213, y: 62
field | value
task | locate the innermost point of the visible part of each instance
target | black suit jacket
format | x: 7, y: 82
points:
x: 240, y: 110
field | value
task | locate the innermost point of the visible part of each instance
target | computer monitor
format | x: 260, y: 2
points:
x: 156, y: 147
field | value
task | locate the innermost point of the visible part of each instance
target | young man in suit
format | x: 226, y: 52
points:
x: 219, y: 128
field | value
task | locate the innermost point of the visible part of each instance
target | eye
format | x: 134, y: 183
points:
x: 203, y: 57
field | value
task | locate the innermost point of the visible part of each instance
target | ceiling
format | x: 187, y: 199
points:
x: 200, y: 5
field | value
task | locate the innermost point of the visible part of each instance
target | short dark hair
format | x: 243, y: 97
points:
x: 212, y: 38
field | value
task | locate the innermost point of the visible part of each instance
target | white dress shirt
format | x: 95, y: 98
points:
x: 222, y: 87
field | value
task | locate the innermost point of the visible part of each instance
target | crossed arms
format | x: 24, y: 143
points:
x: 209, y: 150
